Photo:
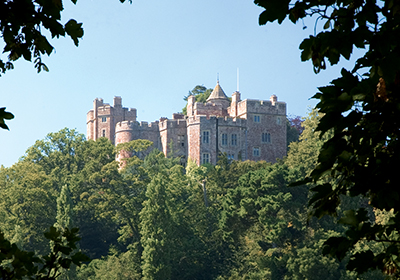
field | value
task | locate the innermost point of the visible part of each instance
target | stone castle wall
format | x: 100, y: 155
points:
x: 103, y: 118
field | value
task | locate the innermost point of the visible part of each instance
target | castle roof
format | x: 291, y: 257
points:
x: 217, y: 93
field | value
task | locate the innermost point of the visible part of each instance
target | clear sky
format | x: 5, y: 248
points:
x: 151, y: 53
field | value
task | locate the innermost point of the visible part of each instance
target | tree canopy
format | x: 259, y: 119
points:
x: 361, y: 109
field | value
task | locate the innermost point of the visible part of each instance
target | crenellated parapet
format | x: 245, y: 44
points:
x: 130, y: 130
x: 210, y: 109
x: 172, y: 124
x: 222, y: 121
x: 260, y: 107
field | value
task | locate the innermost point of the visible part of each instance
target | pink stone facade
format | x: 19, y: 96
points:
x: 243, y: 129
x: 103, y: 118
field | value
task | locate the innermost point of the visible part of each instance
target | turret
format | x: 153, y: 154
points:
x: 190, y: 105
x: 234, y: 104
x: 117, y: 101
x: 218, y: 97
x: 273, y: 99
x: 96, y: 104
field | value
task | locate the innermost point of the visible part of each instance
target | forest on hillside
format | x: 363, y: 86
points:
x: 155, y: 219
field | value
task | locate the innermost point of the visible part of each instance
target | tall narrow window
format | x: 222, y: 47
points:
x: 256, y: 151
x: 103, y: 119
x: 104, y: 133
x: 181, y: 140
x: 205, y: 158
x: 206, y: 137
x: 224, y: 139
x: 234, y: 139
x: 266, y: 138
x: 257, y: 118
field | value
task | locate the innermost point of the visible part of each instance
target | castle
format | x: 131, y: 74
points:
x: 243, y: 129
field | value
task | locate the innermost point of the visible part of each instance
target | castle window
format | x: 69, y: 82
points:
x: 206, y: 137
x: 205, y: 158
x: 224, y: 139
x: 234, y: 139
x: 257, y: 118
x: 104, y: 133
x: 256, y: 151
x: 266, y: 138
x: 103, y: 119
x: 181, y: 140
x: 278, y: 120
x: 231, y: 156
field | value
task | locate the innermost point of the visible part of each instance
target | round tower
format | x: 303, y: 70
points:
x: 123, y: 134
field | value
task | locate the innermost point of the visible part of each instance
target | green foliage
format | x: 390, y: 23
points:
x: 304, y: 154
x: 116, y: 266
x: 64, y: 209
x: 24, y: 28
x: 31, y: 187
x: 293, y: 129
x: 361, y: 110
x: 151, y: 219
x: 20, y: 264
x: 292, y: 134
x: 28, y: 201
x: 139, y: 148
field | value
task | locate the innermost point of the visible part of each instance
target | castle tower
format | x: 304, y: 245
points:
x: 190, y: 105
x: 235, y: 100
x: 101, y: 120
x: 218, y: 97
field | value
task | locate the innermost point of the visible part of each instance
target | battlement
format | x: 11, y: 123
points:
x: 174, y: 123
x: 132, y: 125
x: 261, y: 107
x: 222, y: 121
x: 227, y: 121
x: 206, y: 105
x: 209, y: 109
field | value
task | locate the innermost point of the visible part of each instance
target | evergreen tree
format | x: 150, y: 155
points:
x: 157, y: 230
x: 64, y: 220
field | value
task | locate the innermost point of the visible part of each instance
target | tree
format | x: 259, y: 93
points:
x: 19, y: 264
x: 27, y: 201
x: 360, y: 108
x: 64, y: 220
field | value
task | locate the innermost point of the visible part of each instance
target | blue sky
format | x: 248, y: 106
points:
x: 151, y: 53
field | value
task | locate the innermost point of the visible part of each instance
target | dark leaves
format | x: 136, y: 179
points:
x: 74, y: 30
x: 26, y: 265
x: 5, y: 116
x: 361, y: 111
x: 274, y: 10
x: 23, y: 30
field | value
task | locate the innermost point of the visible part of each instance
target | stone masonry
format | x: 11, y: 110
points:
x: 243, y: 129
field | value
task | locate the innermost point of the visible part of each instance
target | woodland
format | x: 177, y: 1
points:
x: 156, y: 219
